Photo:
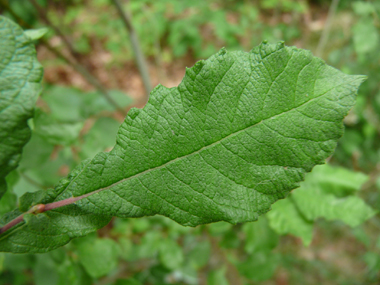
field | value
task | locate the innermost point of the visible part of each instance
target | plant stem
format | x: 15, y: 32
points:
x: 40, y: 208
x: 87, y: 76
x: 140, y: 60
x: 44, y: 17
x: 326, y: 30
x: 12, y: 223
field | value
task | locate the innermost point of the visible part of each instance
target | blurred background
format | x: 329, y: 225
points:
x: 102, y: 57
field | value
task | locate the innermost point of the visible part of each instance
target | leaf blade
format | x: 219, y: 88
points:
x: 20, y: 85
x: 237, y: 134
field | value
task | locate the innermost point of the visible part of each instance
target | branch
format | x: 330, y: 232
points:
x: 140, y: 60
x: 42, y: 14
x: 74, y: 62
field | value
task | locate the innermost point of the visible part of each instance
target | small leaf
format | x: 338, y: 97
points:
x: 363, y: 8
x: 220, y: 228
x: 65, y: 104
x: 199, y: 255
x: 95, y: 102
x: 70, y: 105
x: 129, y: 281
x: 100, y: 137
x: 55, y: 132
x: 98, y: 256
x: 365, y: 35
x: 286, y: 219
x: 237, y: 134
x: 259, y: 266
x: 327, y: 192
x: 36, y: 152
x: 148, y: 247
x: 259, y: 236
x: 323, y: 193
x: 36, y: 34
x: 338, y: 181
x: 171, y: 255
x: 217, y: 277
x: 20, y: 85
x: 8, y: 202
x: 44, y: 271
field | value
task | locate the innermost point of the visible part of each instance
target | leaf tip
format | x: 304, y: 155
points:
x: 361, y: 78
x: 133, y: 112
x: 222, y: 51
x: 196, y: 68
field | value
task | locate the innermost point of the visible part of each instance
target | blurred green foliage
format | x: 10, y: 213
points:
x: 71, y: 125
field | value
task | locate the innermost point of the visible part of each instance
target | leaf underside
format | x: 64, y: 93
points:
x: 237, y: 134
x: 20, y: 78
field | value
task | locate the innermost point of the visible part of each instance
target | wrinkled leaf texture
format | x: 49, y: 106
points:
x: 237, y: 134
x: 20, y: 85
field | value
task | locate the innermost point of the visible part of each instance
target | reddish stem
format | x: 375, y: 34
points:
x: 12, y: 223
x: 40, y: 208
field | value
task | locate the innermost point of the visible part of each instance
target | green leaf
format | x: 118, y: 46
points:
x: 70, y: 105
x: 36, y: 152
x: 363, y: 8
x: 327, y: 192
x: 98, y: 256
x: 365, y: 35
x: 55, y: 132
x: 95, y: 102
x: 334, y: 180
x: 286, y: 219
x: 100, y: 137
x: 372, y: 259
x: 43, y: 234
x: 230, y: 240
x: 217, y: 277
x: 322, y: 195
x: 259, y: 266
x: 45, y: 271
x: 237, y: 134
x: 220, y: 228
x: 65, y: 104
x: 129, y: 281
x: 171, y: 255
x: 199, y: 255
x: 20, y: 86
x: 35, y: 34
x: 148, y: 248
x: 259, y: 236
x: 8, y: 202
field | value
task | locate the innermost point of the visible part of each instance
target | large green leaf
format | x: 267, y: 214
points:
x: 237, y: 134
x: 20, y: 77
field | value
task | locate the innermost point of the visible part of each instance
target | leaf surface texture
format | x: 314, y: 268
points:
x: 237, y: 134
x: 20, y: 85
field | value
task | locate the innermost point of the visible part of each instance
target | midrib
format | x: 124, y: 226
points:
x: 195, y: 152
